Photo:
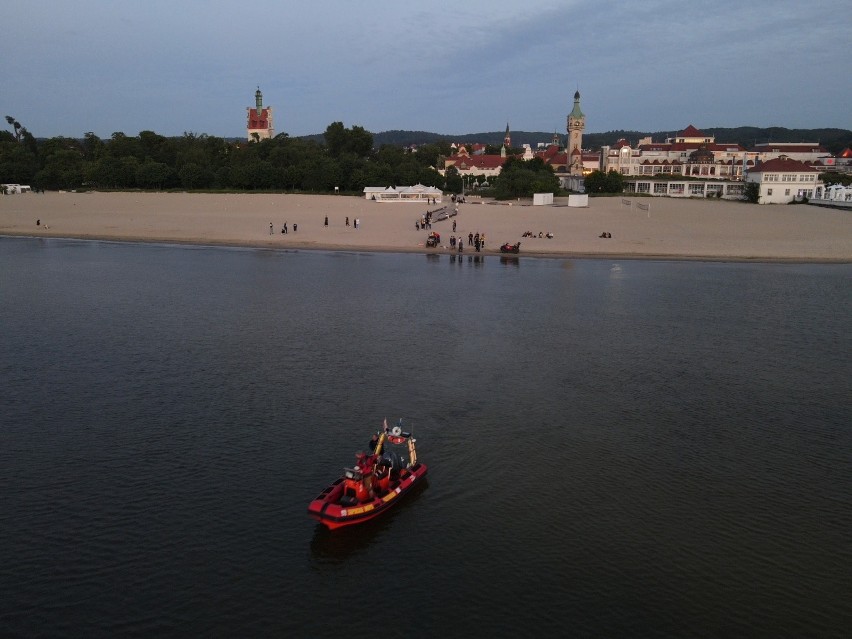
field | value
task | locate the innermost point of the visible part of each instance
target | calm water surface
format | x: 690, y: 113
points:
x: 616, y: 448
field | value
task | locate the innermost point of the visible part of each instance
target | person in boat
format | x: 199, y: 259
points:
x: 374, y: 441
x: 366, y: 465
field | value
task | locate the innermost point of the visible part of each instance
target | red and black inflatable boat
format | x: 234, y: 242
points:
x: 376, y: 482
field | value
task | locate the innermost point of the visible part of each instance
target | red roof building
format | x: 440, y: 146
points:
x: 259, y: 120
x: 782, y: 179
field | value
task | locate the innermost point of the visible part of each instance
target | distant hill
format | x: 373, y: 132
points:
x: 835, y: 140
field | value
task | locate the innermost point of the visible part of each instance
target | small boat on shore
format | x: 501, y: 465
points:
x: 376, y: 482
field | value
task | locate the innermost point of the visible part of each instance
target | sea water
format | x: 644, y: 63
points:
x: 615, y: 447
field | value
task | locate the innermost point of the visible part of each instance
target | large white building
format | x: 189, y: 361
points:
x: 782, y: 180
x: 692, y: 153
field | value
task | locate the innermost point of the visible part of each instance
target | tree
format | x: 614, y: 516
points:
x: 16, y: 126
x: 520, y: 178
x: 93, y: 146
x: 121, y: 146
x: 614, y: 182
x: 751, y: 192
x: 192, y: 176
x: 453, y: 181
x: 340, y: 140
x: 830, y: 179
x: 152, y: 175
x: 600, y: 182
x: 360, y: 141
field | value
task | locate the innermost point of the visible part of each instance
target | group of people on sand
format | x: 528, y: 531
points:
x: 476, y: 240
x: 605, y: 235
x: 425, y: 221
x: 548, y: 235
x: 284, y: 229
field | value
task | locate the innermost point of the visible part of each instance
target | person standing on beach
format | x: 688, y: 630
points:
x: 470, y: 239
x: 295, y: 226
x: 357, y: 221
x: 270, y: 228
x: 326, y: 220
x: 454, y: 226
x: 347, y: 220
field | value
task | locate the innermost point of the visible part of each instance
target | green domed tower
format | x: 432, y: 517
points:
x: 259, y: 120
x: 576, y: 126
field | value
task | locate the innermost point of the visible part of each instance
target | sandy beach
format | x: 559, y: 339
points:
x: 668, y: 229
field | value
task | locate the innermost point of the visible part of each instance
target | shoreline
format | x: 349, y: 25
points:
x: 338, y: 248
x: 671, y: 230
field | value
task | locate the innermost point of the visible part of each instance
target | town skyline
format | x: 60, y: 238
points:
x: 105, y: 67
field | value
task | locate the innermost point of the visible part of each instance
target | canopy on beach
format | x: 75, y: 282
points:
x: 416, y: 193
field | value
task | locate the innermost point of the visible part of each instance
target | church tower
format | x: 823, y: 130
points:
x: 507, y: 139
x: 576, y: 126
x: 259, y: 120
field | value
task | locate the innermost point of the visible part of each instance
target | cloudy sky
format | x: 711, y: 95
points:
x: 174, y: 66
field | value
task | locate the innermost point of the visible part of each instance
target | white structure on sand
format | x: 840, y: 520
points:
x: 416, y: 193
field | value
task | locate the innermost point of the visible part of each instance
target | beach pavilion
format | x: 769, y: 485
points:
x: 416, y: 193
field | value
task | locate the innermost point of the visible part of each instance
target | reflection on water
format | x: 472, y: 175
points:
x: 337, y: 546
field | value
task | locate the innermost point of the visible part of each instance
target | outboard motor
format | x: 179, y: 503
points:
x: 392, y: 460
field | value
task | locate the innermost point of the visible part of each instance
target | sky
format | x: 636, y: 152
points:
x: 180, y: 66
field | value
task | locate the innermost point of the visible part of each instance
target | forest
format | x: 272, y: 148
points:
x: 344, y: 159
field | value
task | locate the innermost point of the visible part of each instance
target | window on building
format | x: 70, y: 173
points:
x: 770, y: 177
x: 786, y: 191
x: 768, y: 191
x: 660, y: 188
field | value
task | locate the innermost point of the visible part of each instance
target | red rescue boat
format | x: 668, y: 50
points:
x: 376, y: 482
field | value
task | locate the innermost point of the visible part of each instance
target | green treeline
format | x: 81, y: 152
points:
x: 344, y: 159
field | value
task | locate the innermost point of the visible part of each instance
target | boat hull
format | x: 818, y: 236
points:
x: 327, y: 510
